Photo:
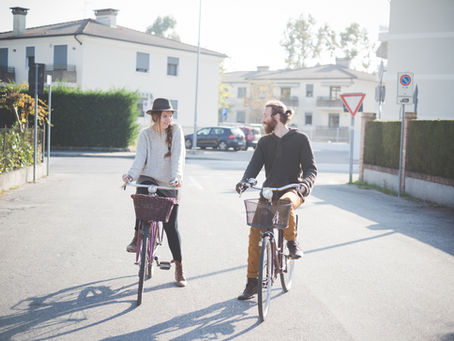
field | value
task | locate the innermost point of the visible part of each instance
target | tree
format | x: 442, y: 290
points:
x: 161, y: 27
x: 14, y: 99
x: 354, y: 42
x: 299, y: 41
x: 304, y: 42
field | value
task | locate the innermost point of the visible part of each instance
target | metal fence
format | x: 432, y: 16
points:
x: 323, y: 134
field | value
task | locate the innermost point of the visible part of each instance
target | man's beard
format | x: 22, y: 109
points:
x: 269, y: 125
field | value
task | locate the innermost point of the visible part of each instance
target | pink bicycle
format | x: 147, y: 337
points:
x: 151, y: 210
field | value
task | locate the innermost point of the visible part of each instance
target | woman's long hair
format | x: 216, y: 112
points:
x: 156, y: 117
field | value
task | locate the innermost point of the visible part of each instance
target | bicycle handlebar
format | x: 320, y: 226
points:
x: 267, y: 192
x: 151, y: 188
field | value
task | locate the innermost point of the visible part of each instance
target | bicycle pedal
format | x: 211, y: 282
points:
x: 164, y: 265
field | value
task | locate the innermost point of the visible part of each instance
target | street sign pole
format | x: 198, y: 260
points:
x: 35, y: 130
x: 405, y: 93
x: 194, y: 136
x: 352, y: 137
x: 401, y: 156
x: 49, y: 81
x: 352, y: 102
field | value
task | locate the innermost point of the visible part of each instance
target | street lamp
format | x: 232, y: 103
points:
x: 194, y: 136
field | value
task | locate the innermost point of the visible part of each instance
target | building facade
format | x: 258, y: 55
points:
x: 99, y: 54
x: 420, y: 39
x: 313, y: 93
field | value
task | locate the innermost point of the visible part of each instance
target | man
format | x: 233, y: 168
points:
x: 288, y: 158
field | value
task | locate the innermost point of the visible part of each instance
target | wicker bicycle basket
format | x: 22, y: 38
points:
x: 262, y: 214
x: 149, y: 208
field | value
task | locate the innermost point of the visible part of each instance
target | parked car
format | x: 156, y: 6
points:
x: 221, y: 138
x: 252, y: 134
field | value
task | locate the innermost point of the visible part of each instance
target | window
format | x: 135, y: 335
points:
x: 217, y: 131
x: 285, y: 92
x: 4, y: 58
x: 241, y: 116
x: 204, y: 132
x: 29, y: 52
x: 241, y: 92
x: 142, y: 62
x: 333, y: 120
x: 309, y: 90
x: 174, y: 104
x: 172, y: 66
x: 308, y: 118
x: 334, y: 92
x: 60, y: 57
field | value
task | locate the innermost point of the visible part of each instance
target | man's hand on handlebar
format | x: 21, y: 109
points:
x: 241, y: 187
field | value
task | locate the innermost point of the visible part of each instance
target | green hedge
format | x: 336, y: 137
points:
x: 382, y: 144
x: 431, y: 147
x: 16, y: 148
x: 93, y: 118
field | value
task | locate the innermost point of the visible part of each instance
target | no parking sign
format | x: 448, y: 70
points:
x: 405, y: 87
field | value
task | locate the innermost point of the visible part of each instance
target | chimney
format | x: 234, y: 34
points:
x: 263, y: 68
x: 344, y: 62
x: 19, y: 14
x: 107, y: 16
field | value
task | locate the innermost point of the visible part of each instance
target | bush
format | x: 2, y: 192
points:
x: 431, y: 148
x: 382, y: 144
x: 93, y: 118
x: 15, y: 148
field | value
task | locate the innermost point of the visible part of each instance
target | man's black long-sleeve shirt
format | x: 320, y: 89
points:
x: 287, y: 159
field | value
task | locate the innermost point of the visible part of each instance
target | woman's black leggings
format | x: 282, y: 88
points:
x: 171, y: 227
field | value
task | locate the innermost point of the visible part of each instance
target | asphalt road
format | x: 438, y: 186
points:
x: 375, y: 267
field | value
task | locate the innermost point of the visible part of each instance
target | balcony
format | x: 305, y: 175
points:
x: 7, y: 74
x: 323, y: 101
x: 292, y: 101
x: 61, y: 73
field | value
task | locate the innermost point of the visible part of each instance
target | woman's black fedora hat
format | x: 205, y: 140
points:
x: 160, y: 104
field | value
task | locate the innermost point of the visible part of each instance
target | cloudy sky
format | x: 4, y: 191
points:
x: 248, y: 31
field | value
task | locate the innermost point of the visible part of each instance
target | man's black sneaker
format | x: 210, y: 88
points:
x: 294, y: 250
x: 250, y: 290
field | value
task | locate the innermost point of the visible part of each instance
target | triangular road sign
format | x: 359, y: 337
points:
x: 353, y: 101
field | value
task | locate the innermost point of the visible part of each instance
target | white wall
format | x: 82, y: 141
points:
x: 421, y: 40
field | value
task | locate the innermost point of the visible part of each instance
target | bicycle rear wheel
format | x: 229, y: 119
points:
x: 287, y: 266
x: 143, y: 261
x: 265, y: 277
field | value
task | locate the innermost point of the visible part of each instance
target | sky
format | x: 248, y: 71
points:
x: 249, y: 32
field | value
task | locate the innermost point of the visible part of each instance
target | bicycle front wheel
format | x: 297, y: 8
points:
x: 143, y: 262
x: 287, y: 267
x: 265, y: 277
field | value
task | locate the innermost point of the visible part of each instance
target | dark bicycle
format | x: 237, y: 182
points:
x: 275, y: 259
x: 151, y: 210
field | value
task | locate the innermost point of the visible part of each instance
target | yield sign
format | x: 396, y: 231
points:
x: 353, y: 101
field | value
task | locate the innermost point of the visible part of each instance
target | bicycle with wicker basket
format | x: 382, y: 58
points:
x: 151, y: 210
x: 275, y: 259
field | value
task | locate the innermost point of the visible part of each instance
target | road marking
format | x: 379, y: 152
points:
x: 195, y: 183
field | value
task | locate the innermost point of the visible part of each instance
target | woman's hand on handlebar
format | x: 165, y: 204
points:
x: 126, y: 178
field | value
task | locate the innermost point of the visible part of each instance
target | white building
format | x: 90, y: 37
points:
x: 313, y: 93
x: 99, y: 54
x: 420, y: 40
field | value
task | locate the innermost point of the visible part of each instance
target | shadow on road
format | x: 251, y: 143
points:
x: 62, y: 312
x: 431, y: 225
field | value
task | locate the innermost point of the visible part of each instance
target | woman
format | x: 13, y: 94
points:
x: 159, y: 160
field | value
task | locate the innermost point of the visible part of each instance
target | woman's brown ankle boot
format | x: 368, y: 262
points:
x: 179, y: 275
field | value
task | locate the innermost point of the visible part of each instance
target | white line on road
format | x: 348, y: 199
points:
x: 195, y: 183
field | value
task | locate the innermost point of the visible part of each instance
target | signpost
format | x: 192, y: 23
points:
x: 405, y: 92
x: 224, y: 112
x: 352, y: 102
x: 35, y: 87
x: 49, y: 83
